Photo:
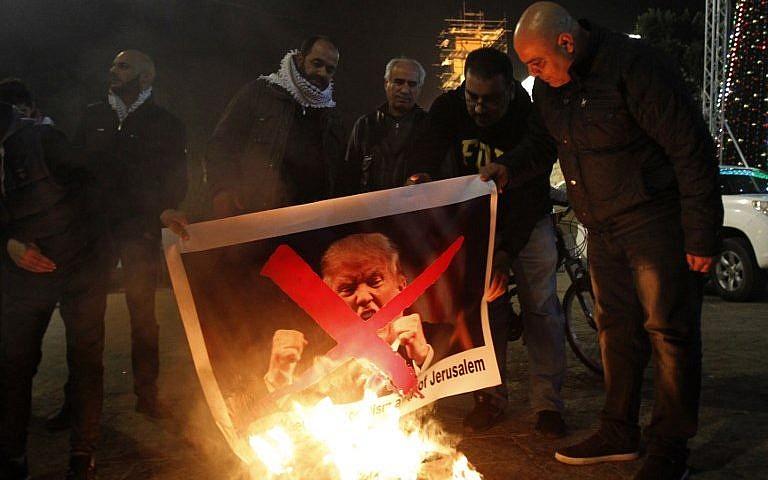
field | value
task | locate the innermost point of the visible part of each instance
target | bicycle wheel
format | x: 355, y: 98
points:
x: 580, y: 327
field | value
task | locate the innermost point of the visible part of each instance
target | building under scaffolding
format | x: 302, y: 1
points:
x: 462, y: 35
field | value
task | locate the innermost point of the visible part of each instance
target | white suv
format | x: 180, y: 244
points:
x: 739, y: 272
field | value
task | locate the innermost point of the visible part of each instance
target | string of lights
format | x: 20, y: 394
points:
x: 745, y: 102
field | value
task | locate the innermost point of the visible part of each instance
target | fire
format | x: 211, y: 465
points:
x: 351, y: 442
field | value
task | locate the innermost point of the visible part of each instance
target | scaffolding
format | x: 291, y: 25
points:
x: 462, y: 35
x: 715, y: 62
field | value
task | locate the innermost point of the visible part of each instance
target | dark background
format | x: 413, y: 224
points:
x: 206, y: 49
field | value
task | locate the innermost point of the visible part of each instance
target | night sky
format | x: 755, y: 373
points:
x: 206, y: 49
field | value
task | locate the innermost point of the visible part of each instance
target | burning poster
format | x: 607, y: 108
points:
x: 372, y: 300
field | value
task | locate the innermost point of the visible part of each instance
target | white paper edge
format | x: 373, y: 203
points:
x: 285, y: 221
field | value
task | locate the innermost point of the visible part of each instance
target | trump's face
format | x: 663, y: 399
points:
x: 366, y: 284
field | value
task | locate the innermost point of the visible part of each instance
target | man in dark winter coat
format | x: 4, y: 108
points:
x: 52, y: 255
x: 280, y: 141
x: 487, y: 116
x: 642, y: 177
x: 136, y: 152
x: 382, y: 142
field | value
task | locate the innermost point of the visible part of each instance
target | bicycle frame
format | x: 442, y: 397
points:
x: 572, y: 265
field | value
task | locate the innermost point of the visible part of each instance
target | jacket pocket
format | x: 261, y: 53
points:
x: 608, y: 175
x: 605, y: 121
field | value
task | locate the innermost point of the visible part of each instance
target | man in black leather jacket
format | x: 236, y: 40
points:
x: 382, y: 142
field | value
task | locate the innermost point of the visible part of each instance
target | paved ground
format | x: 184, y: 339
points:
x: 732, y: 444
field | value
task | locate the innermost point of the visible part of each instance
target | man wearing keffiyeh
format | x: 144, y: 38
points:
x: 280, y: 141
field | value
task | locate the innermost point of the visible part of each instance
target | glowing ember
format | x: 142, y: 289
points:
x: 350, y: 442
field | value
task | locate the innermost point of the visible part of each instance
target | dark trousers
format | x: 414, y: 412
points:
x: 542, y: 317
x: 140, y: 260
x: 29, y: 300
x: 648, y: 304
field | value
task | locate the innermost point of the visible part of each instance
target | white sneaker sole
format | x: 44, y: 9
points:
x: 619, y: 457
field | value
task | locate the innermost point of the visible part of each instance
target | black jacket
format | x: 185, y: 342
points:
x: 140, y: 167
x: 454, y: 145
x: 42, y: 198
x: 370, y: 164
x: 245, y: 153
x: 633, y: 146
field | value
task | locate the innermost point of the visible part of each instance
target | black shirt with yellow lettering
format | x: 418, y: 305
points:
x: 454, y: 146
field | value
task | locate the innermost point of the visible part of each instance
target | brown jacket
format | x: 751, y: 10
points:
x: 246, y: 150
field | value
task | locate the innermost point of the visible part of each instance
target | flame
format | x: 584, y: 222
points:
x: 353, y: 442
x: 274, y: 449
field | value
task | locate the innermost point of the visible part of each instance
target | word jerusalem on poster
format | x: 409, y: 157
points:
x: 380, y: 292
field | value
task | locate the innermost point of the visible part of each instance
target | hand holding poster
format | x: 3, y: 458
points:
x: 381, y: 292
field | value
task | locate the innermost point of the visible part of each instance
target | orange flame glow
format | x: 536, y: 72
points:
x: 351, y: 442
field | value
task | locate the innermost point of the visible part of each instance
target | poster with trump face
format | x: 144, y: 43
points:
x: 379, y: 295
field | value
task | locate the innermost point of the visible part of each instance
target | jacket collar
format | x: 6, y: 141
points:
x: 582, y: 65
x: 279, y: 92
x: 383, y: 111
x: 123, y: 111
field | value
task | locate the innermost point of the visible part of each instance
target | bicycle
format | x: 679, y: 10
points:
x: 578, y: 302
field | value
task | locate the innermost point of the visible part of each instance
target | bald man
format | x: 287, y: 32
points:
x: 642, y: 177
x: 135, y: 150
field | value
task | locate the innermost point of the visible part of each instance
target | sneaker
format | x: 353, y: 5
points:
x: 549, y: 423
x: 15, y: 469
x: 152, y: 407
x: 595, y: 450
x: 60, y: 420
x: 81, y: 467
x: 657, y: 467
x: 485, y: 414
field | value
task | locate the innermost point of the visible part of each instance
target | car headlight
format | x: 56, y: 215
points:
x: 761, y: 206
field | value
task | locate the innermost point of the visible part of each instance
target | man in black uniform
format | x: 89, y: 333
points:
x: 51, y: 256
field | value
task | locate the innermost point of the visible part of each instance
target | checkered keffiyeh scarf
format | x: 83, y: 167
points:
x: 121, y: 109
x: 306, y: 94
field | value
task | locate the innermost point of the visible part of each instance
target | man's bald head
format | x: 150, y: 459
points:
x: 546, y: 37
x: 544, y: 20
x: 131, y: 70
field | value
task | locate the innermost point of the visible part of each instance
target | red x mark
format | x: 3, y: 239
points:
x: 355, y: 336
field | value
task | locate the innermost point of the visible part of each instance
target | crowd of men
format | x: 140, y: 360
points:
x: 638, y: 162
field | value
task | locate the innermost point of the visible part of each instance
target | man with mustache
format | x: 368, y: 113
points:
x: 381, y: 142
x: 280, y: 140
x: 136, y: 152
